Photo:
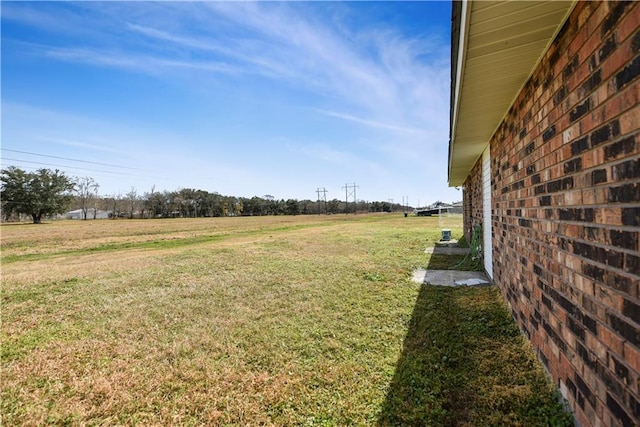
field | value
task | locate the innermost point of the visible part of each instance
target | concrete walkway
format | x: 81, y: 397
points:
x: 450, y: 278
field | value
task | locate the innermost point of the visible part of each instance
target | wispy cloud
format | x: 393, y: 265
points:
x: 372, y: 123
x: 313, y: 52
x: 375, y: 75
x: 78, y: 144
x: 378, y: 72
x: 135, y: 62
x: 61, y: 22
x: 247, y: 55
x: 389, y: 90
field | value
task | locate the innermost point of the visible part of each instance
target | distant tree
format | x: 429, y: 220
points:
x: 184, y: 202
x: 292, y: 207
x: 149, y: 202
x: 170, y: 204
x: 38, y: 194
x: 201, y: 205
x: 307, y: 207
x: 158, y: 204
x: 334, y: 206
x: 376, y: 207
x: 277, y: 207
x: 271, y: 206
x: 362, y: 206
x: 132, y: 201
x: 253, y: 206
x: 214, y: 204
x: 87, y: 194
x: 112, y: 203
x: 238, y: 207
x: 194, y: 203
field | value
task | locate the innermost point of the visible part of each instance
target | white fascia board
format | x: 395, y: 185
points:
x: 462, y: 54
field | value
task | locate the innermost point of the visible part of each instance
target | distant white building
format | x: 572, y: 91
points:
x: 77, y: 214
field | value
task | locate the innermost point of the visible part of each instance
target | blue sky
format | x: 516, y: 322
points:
x: 241, y: 98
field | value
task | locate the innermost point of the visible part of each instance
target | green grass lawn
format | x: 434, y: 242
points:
x: 255, y: 321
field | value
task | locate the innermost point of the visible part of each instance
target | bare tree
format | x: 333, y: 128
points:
x: 132, y: 201
x: 113, y: 202
x: 87, y: 193
x: 149, y: 202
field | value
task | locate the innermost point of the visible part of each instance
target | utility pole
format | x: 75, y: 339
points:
x: 324, y: 192
x: 355, y: 200
x: 350, y: 190
x: 326, y: 212
x: 346, y: 199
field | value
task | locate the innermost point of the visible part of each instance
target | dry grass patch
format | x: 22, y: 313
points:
x: 284, y: 321
x: 72, y: 237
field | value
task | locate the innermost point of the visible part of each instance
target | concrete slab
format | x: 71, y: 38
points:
x: 451, y: 278
x: 447, y: 250
x: 452, y: 242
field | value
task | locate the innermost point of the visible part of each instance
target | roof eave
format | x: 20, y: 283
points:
x: 511, y: 36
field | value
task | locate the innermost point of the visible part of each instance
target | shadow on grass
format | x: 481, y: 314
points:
x: 464, y: 362
x: 424, y: 387
x: 425, y: 390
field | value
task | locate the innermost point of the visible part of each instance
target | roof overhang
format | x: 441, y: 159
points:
x: 496, y: 45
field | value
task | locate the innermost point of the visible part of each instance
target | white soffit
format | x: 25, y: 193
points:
x: 503, y: 42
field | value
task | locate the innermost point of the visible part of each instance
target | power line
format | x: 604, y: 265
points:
x: 35, y: 168
x: 69, y: 167
x: 69, y: 159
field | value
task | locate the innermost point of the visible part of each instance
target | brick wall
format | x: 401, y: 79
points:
x: 566, y: 211
x: 472, y: 200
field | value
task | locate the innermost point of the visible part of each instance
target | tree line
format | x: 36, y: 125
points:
x: 50, y: 193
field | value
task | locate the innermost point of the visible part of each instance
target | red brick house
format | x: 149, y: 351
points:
x: 545, y: 141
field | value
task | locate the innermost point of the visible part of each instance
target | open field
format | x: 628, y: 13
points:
x: 254, y: 321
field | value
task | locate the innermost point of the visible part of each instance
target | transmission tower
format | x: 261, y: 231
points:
x: 324, y: 193
x: 350, y: 191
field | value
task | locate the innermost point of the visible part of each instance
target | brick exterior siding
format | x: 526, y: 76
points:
x: 472, y: 200
x: 565, y: 169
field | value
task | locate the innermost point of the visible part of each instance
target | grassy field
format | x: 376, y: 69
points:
x: 254, y: 321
